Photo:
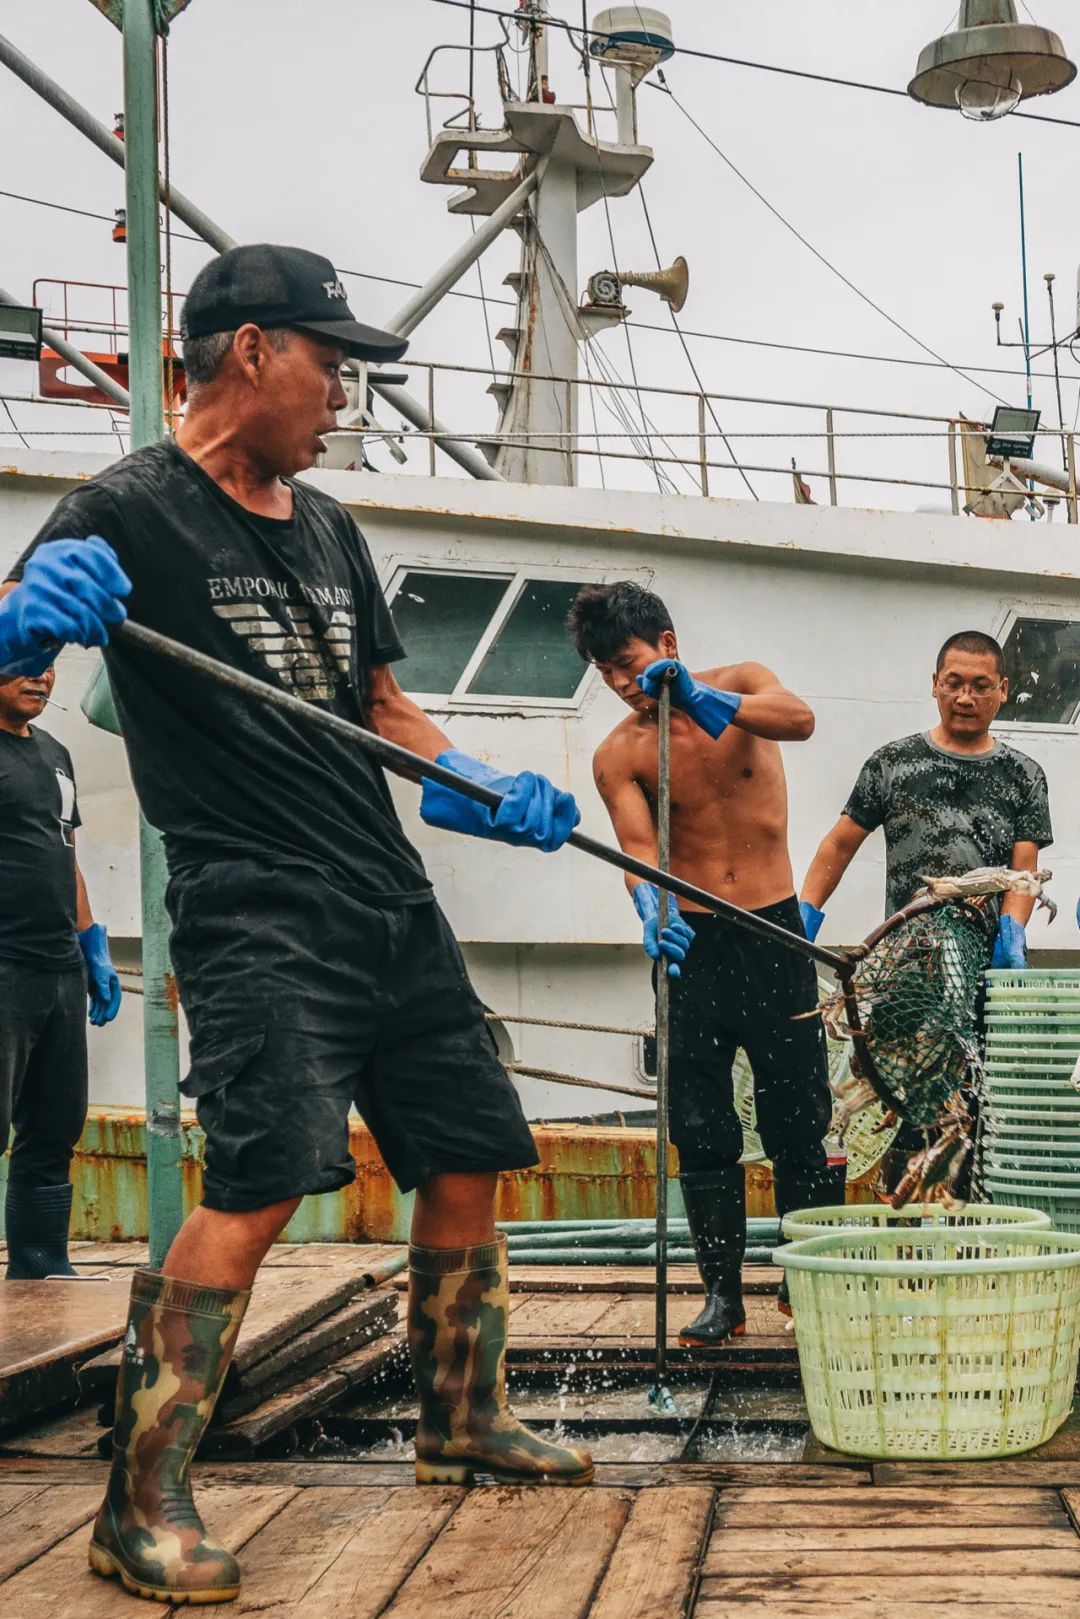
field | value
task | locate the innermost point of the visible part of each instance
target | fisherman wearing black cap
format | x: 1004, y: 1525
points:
x: 314, y: 966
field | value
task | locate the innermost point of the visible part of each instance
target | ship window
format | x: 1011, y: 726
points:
x: 440, y: 618
x: 531, y: 655
x: 1042, y: 661
x: 477, y: 638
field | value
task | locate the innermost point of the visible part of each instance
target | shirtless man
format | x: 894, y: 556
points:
x: 732, y: 988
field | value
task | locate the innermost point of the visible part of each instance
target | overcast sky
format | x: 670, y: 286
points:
x: 299, y: 124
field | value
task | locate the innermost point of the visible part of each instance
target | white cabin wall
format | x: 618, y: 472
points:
x: 848, y: 606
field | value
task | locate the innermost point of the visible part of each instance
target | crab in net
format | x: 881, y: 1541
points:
x: 910, y: 1007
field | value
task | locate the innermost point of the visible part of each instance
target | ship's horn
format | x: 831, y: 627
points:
x: 672, y: 284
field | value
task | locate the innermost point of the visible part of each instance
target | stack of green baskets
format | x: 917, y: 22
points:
x: 1031, y: 1140
x: 824, y: 1221
x: 944, y: 1342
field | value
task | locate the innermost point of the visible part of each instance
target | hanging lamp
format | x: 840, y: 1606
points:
x: 990, y: 63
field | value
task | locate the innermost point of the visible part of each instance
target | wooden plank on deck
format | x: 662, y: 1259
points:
x: 882, y: 1508
x: 47, y: 1329
x: 59, y: 1585
x: 339, y: 1554
x: 511, y: 1553
x: 1054, y: 1594
x: 33, y: 1520
x: 653, y: 1566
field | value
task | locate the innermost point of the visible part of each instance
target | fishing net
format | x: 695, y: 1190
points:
x: 917, y: 996
x: 866, y: 1132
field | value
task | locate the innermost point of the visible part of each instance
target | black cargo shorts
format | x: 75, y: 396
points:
x: 303, y: 1000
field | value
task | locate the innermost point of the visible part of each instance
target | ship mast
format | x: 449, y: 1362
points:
x: 574, y: 169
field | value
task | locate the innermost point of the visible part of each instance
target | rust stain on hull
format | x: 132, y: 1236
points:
x: 584, y: 1172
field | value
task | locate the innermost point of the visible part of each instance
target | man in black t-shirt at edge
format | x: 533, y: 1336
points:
x: 949, y: 800
x: 52, y: 955
x: 314, y: 965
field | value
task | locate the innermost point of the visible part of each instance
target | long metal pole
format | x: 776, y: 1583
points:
x: 661, y: 1395
x: 421, y: 302
x: 76, y: 358
x: 1024, y: 274
x: 160, y: 1031
x: 403, y: 762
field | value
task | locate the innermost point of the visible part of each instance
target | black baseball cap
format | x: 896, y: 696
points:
x: 281, y: 286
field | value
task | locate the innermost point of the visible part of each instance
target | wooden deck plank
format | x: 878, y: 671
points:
x: 765, y: 1541
x: 59, y: 1585
x: 552, y: 1315
x: 653, y: 1566
x: 1052, y: 1473
x: 883, y: 1508
x: 339, y: 1554
x: 829, y: 1607
x: 561, y: 1543
x: 31, y: 1526
x: 46, y: 1331
x: 72, y: 1433
x: 867, y: 1593
x: 632, y: 1316
x: 978, y: 1559
x: 14, y: 1495
x: 381, y: 1474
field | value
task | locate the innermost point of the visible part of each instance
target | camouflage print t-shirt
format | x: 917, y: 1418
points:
x: 945, y: 813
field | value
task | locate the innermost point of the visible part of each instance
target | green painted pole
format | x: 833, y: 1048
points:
x: 160, y: 1032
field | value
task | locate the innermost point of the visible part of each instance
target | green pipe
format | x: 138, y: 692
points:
x: 642, y: 1257
x: 757, y: 1225
x: 160, y: 1032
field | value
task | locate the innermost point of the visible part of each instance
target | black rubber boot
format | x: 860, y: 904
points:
x: 36, y: 1220
x: 807, y: 1189
x: 716, y: 1211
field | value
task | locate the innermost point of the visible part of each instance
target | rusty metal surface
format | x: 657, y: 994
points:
x: 585, y: 1172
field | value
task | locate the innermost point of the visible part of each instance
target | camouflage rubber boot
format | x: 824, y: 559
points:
x: 176, y: 1351
x: 459, y: 1300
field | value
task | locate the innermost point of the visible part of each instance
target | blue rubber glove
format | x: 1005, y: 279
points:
x: 70, y: 591
x: 712, y: 710
x: 532, y: 815
x: 676, y: 938
x: 102, y: 981
x: 1010, y: 946
x: 812, y: 919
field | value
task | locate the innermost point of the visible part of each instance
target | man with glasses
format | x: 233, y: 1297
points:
x: 948, y: 800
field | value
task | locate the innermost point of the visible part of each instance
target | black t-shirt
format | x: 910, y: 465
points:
x: 38, y: 813
x: 294, y: 602
x: 946, y: 813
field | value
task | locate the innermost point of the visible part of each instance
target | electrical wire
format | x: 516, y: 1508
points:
x: 671, y: 312
x: 615, y: 266
x: 14, y: 423
x: 760, y: 67
x: 635, y: 325
x: 859, y: 293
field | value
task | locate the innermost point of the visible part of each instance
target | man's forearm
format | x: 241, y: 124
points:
x: 777, y: 716
x: 401, y: 720
x: 826, y: 869
x: 84, y: 916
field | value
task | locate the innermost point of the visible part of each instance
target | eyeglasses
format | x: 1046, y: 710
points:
x: 953, y: 685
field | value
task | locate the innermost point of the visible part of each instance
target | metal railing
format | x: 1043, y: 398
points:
x: 693, y: 443
x: 700, y: 458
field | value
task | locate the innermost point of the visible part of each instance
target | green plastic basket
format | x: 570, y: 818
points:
x: 1062, y: 1208
x: 937, y: 1344
x: 823, y: 1222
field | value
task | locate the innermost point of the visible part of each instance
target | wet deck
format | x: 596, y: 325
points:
x: 817, y: 1534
